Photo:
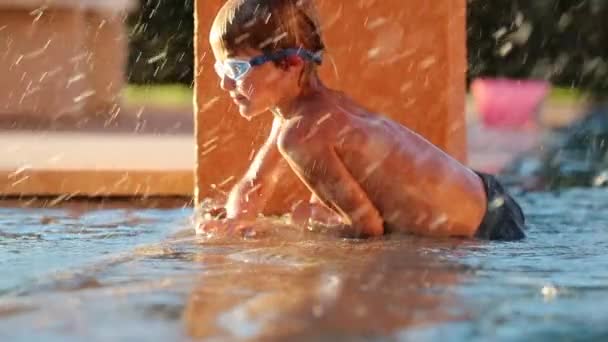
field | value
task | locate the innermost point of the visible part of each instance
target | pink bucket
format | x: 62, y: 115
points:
x: 505, y: 103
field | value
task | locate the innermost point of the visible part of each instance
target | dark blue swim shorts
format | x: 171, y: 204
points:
x: 504, y: 220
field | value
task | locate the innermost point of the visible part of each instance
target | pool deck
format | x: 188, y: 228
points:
x: 149, y: 153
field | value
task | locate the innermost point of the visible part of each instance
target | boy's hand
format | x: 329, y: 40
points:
x: 320, y: 213
x: 217, y: 212
x: 210, y: 209
x: 303, y: 213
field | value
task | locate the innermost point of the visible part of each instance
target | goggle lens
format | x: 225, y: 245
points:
x: 233, y: 69
x: 236, y: 69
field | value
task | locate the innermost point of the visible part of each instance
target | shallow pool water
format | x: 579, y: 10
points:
x: 142, y: 275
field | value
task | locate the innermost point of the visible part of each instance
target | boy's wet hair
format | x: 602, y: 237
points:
x: 268, y: 25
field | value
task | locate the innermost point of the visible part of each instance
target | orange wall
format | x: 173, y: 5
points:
x: 61, y: 62
x: 38, y: 62
x: 403, y: 58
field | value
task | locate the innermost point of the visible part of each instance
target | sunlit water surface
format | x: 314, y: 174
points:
x: 126, y: 275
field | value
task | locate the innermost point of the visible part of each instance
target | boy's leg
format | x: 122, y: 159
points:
x: 504, y: 219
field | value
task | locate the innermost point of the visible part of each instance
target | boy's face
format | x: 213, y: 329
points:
x: 259, y: 90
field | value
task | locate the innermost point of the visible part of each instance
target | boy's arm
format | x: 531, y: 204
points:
x: 248, y: 197
x: 324, y: 173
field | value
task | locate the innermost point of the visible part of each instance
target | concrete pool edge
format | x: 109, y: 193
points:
x: 83, y: 203
x: 126, y: 188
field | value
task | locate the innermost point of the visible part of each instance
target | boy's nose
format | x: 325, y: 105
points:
x: 227, y: 83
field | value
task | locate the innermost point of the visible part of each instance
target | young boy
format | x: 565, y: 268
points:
x: 368, y: 174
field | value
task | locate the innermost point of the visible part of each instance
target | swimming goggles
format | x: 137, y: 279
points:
x: 236, y: 69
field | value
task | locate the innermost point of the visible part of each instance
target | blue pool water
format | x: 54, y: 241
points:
x: 125, y: 275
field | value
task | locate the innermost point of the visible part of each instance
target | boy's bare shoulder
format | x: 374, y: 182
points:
x: 316, y: 121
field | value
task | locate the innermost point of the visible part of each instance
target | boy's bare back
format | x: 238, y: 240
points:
x: 375, y: 172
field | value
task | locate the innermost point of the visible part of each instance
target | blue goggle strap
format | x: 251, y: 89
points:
x: 275, y: 56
